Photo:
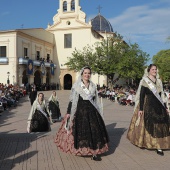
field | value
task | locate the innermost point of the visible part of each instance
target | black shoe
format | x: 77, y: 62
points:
x: 160, y: 152
x: 96, y: 158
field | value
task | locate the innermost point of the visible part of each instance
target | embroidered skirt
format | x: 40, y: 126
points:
x: 87, y: 136
x: 55, y: 111
x: 139, y: 135
x: 39, y: 123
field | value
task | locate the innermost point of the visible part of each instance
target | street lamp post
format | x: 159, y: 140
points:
x: 98, y: 79
x: 13, y: 79
x: 107, y: 57
x: 8, y: 73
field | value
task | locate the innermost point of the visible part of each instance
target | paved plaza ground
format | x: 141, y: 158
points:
x: 37, y: 151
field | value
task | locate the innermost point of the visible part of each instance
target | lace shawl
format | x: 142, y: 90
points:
x: 143, y: 83
x: 53, y: 98
x: 36, y: 106
x: 77, y: 90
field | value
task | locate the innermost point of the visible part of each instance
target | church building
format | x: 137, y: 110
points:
x: 39, y: 55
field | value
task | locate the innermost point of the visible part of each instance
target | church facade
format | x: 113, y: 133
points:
x: 39, y: 55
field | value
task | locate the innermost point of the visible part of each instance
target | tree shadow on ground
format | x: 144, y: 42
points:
x: 18, y: 148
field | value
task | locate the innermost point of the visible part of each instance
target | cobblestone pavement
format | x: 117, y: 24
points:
x: 37, y: 151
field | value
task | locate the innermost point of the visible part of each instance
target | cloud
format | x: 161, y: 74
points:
x: 4, y: 13
x: 143, y: 22
x: 165, y: 1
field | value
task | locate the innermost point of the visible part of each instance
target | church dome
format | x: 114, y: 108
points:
x: 101, y: 24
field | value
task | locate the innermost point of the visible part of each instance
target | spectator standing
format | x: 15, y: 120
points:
x: 33, y: 95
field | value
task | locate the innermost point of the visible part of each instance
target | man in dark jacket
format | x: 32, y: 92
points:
x: 33, y: 95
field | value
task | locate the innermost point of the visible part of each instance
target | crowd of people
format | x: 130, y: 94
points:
x: 118, y: 94
x: 42, y: 86
x: 10, y: 95
x: 82, y: 130
x: 125, y: 96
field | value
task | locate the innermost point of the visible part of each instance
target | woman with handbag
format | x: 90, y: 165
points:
x: 38, y: 119
x: 150, y: 126
x: 83, y: 131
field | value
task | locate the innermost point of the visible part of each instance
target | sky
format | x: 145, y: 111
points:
x: 145, y: 22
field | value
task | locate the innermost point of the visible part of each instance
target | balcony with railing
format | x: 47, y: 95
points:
x: 24, y: 61
x: 4, y: 60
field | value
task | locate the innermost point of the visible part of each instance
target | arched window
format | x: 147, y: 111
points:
x: 65, y: 6
x: 72, y: 5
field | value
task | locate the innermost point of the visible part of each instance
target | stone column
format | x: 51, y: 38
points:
x: 61, y: 82
x: 31, y: 79
x: 20, y: 80
x: 68, y: 5
x: 44, y: 79
x: 52, y: 79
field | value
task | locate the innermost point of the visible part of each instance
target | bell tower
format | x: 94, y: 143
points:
x: 68, y: 5
x: 70, y: 10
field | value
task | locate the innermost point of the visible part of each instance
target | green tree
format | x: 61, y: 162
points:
x: 128, y: 60
x: 133, y: 61
x: 107, y: 56
x: 79, y: 58
x: 111, y: 56
x: 162, y: 60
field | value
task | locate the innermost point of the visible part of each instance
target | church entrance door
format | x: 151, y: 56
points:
x: 67, y: 82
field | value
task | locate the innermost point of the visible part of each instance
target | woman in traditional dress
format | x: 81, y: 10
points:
x: 150, y: 127
x: 83, y: 131
x: 54, y: 108
x: 38, y: 120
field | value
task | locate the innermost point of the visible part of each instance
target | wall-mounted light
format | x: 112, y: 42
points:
x: 8, y: 74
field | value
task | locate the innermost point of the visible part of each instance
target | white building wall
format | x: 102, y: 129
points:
x: 33, y: 44
x: 80, y: 39
x: 8, y: 40
x: 15, y: 41
x: 39, y: 33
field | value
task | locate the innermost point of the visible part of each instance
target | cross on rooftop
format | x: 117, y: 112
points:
x: 99, y: 8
